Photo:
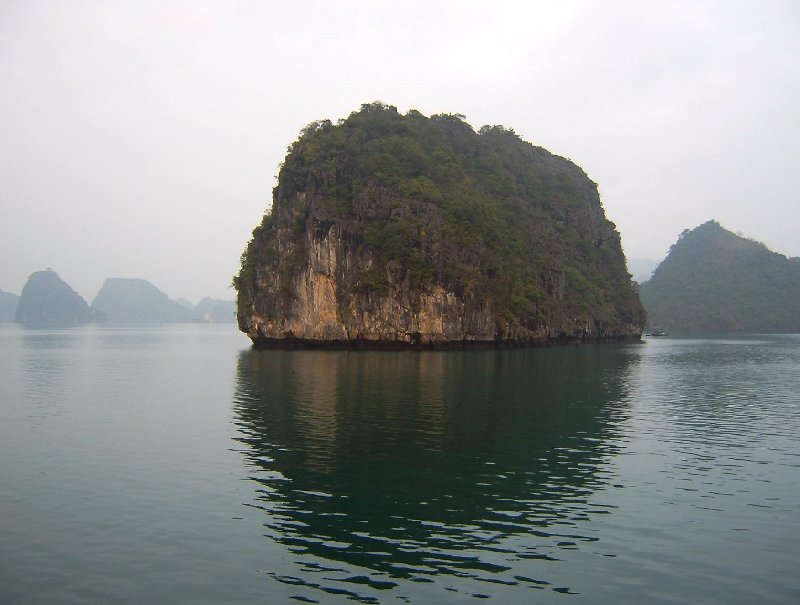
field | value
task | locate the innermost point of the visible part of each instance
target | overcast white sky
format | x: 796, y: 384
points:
x: 142, y: 139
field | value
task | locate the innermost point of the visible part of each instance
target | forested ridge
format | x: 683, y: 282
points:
x: 713, y: 280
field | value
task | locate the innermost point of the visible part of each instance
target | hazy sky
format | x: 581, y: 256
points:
x: 142, y: 139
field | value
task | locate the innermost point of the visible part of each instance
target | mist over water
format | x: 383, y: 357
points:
x: 177, y: 464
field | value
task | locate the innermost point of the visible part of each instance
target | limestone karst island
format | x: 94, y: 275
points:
x: 405, y: 230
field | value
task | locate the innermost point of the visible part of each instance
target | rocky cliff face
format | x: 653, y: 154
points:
x: 390, y: 230
x: 325, y: 304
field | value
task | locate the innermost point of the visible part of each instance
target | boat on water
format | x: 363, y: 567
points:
x: 654, y: 331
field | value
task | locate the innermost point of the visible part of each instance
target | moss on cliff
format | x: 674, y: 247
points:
x: 421, y: 205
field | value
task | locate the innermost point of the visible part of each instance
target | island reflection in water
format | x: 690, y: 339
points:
x: 462, y: 471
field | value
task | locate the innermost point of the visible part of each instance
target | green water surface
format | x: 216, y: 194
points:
x: 177, y: 465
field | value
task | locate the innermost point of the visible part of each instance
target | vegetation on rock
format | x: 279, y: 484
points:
x: 714, y: 281
x: 420, y: 206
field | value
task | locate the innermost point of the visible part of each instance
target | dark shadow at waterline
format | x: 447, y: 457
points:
x: 412, y: 473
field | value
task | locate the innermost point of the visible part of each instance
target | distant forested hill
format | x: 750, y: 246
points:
x: 126, y: 300
x: 8, y: 306
x: 716, y: 281
x: 137, y: 301
x: 215, y: 310
x: 47, y: 301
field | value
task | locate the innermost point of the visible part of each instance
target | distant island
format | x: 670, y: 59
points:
x: 714, y: 281
x: 403, y: 230
x: 8, y: 306
x: 48, y: 301
x: 214, y: 310
x: 124, y: 300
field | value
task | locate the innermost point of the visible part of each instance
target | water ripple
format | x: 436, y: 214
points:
x: 450, y: 471
x: 442, y: 476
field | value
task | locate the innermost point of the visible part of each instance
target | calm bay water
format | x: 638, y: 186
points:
x: 174, y: 464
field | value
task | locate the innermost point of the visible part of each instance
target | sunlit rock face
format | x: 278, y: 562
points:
x: 403, y: 230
